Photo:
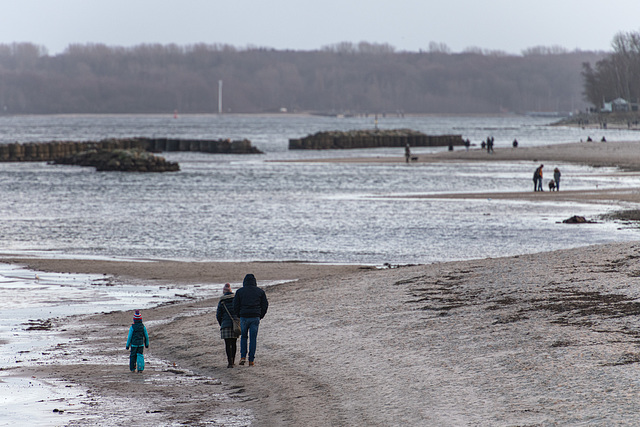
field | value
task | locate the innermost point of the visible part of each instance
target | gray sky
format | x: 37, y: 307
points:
x: 506, y: 25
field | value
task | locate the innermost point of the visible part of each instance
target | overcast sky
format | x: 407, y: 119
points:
x: 505, y: 25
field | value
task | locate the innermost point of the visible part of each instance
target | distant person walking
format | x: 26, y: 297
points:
x: 225, y: 315
x: 537, y: 179
x: 250, y: 303
x: 407, y: 153
x: 556, y: 178
x: 138, y: 339
x: 490, y: 141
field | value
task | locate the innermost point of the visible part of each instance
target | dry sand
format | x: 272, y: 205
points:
x: 541, y: 339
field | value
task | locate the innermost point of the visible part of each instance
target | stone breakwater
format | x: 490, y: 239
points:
x: 371, y: 139
x: 50, y: 151
x: 134, y: 160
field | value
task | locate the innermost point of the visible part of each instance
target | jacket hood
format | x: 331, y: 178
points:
x: 249, y: 280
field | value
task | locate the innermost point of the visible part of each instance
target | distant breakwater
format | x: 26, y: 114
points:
x: 371, y: 139
x: 49, y: 151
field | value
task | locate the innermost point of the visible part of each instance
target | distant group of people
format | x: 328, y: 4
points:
x: 246, y: 307
x: 490, y: 142
x: 603, y: 139
x: 554, y: 184
x: 485, y: 144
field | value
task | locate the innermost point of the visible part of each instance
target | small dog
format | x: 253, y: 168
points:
x: 552, y: 185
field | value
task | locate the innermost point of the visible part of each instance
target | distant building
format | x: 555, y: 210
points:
x: 617, y: 105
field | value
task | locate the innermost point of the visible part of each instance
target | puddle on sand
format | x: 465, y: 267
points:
x: 31, y: 303
x: 28, y: 401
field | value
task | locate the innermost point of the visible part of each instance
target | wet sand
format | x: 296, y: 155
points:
x: 541, y: 339
x: 608, y: 196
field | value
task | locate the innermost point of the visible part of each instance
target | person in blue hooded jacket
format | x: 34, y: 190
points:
x: 250, y: 303
x: 137, y: 339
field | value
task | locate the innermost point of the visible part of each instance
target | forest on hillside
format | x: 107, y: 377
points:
x: 345, y: 78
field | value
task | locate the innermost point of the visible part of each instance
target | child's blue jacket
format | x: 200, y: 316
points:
x: 138, y: 335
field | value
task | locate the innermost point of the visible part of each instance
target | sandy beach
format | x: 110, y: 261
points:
x: 544, y: 339
x: 539, y: 339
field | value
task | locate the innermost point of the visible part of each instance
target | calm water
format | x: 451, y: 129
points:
x: 226, y: 207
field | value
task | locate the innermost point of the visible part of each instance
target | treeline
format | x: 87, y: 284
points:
x: 342, y: 78
x: 617, y: 75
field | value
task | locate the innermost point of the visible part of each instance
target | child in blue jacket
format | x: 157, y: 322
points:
x: 138, y: 337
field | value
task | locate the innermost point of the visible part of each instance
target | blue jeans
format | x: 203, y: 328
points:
x: 249, y: 325
x: 540, y: 184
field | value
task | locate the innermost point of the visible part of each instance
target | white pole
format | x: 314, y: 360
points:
x: 219, y: 96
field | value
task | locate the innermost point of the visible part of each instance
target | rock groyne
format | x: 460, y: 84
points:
x: 371, y: 139
x: 134, y: 160
x: 50, y: 151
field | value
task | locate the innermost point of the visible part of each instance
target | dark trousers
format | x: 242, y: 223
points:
x: 230, y: 346
x: 133, y: 357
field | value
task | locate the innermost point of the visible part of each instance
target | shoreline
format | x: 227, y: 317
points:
x: 607, y: 196
x: 183, y: 272
x: 463, y: 332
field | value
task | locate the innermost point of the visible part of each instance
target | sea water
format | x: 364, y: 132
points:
x: 255, y: 207
x: 259, y: 207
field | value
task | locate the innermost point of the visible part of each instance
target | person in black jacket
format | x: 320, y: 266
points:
x: 250, y: 303
x: 225, y: 315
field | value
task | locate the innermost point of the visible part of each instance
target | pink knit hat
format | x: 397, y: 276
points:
x: 227, y: 287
